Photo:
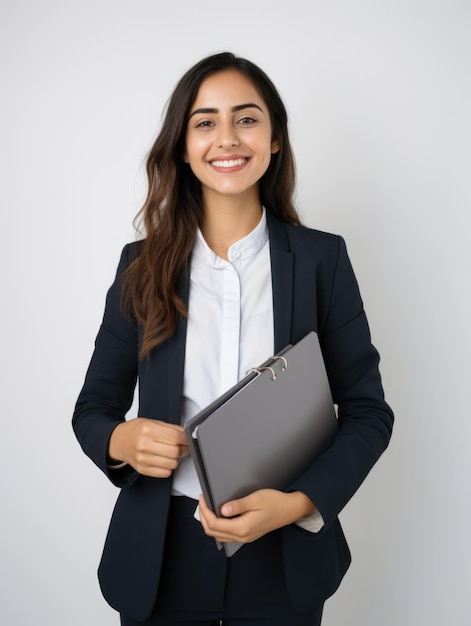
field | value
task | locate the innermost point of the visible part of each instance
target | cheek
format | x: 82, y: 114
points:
x: 196, y: 147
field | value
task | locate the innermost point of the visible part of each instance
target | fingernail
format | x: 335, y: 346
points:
x: 226, y: 509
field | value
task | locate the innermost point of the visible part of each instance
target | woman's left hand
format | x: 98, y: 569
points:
x: 249, y: 518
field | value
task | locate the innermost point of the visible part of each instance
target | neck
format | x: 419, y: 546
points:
x: 228, y: 219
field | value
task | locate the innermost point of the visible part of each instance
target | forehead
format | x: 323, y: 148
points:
x: 226, y: 89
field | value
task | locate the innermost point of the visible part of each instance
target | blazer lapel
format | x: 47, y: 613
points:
x: 282, y: 265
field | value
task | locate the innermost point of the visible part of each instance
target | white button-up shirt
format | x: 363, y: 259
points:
x: 230, y: 327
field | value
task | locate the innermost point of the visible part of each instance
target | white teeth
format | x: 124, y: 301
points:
x: 230, y: 163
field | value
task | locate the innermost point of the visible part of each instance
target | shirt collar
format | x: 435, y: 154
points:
x: 246, y: 247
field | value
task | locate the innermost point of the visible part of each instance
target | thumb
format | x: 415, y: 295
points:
x: 235, y: 507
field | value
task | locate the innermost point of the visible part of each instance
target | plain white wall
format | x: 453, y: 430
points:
x: 379, y: 99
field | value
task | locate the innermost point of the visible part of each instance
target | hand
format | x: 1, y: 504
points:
x: 249, y: 518
x: 153, y: 448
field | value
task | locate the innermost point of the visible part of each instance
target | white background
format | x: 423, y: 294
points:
x: 378, y: 94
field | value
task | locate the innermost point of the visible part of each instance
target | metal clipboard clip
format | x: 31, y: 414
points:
x: 267, y: 367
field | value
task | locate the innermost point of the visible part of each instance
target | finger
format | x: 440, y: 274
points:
x: 155, y: 472
x: 220, y: 528
x: 184, y: 451
x: 168, y: 433
x: 205, y: 511
x: 145, y: 462
x: 159, y: 449
x: 228, y: 530
x: 209, y: 520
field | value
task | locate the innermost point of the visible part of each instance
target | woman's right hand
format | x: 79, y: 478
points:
x: 153, y: 448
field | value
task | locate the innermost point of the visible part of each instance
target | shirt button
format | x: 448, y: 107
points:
x: 235, y: 254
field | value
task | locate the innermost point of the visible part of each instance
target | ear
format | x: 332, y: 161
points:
x: 275, y: 146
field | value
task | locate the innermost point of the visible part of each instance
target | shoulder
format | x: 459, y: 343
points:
x: 133, y: 249
x: 303, y: 234
x: 300, y: 239
x: 129, y: 253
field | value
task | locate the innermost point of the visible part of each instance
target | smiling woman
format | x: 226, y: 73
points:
x: 229, y: 144
x: 225, y: 277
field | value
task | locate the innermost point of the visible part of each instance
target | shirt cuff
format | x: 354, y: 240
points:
x: 115, y: 466
x: 313, y: 522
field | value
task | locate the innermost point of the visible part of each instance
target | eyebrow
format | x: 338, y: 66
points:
x: 238, y: 107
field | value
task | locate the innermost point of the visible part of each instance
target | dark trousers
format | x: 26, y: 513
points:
x: 200, y: 585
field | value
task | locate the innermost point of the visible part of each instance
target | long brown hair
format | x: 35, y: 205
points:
x: 173, y: 209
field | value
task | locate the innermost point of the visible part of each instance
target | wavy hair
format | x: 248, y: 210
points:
x: 173, y: 209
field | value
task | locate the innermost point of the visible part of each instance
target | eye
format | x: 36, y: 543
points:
x: 247, y: 121
x: 204, y: 124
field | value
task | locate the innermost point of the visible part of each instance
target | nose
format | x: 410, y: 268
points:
x: 227, y: 136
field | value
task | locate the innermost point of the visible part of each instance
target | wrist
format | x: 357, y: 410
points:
x: 115, y: 457
x: 302, y: 506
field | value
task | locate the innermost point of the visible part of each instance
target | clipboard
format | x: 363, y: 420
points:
x: 266, y: 430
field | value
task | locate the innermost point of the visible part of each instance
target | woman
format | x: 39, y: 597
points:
x: 225, y: 277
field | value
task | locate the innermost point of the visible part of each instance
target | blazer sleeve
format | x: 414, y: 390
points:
x: 365, y: 419
x: 108, y: 390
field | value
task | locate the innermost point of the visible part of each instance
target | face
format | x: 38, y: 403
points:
x: 229, y: 137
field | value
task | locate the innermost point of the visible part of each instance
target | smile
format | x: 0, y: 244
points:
x: 229, y: 163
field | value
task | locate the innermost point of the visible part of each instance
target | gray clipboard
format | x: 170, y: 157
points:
x: 266, y: 430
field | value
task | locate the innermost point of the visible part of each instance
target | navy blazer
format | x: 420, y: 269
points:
x: 314, y: 288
